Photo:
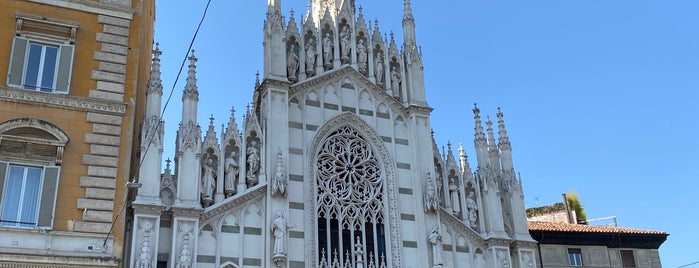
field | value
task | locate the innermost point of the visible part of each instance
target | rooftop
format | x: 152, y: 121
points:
x: 580, y: 228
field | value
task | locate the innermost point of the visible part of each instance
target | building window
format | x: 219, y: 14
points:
x: 627, y: 259
x: 31, y: 153
x: 575, y: 257
x: 42, y: 55
x: 350, y: 201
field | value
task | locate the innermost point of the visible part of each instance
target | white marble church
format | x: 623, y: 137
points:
x: 334, y: 165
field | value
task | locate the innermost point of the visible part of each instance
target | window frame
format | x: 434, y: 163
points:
x: 575, y: 257
x: 23, y: 191
x: 32, y: 30
x: 632, y: 255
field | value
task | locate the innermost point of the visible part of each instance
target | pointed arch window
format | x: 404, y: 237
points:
x: 350, y: 200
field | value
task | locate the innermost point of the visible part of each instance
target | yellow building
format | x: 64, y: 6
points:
x: 76, y: 73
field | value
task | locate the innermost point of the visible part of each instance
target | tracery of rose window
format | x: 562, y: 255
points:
x: 349, y: 200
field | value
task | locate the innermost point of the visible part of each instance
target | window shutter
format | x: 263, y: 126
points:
x: 48, y: 198
x: 16, y: 71
x: 65, y: 67
x: 3, y: 173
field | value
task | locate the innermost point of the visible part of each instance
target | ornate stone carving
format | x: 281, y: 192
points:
x: 345, y: 48
x: 362, y: 56
x: 292, y: 62
x: 231, y: 174
x: 310, y: 56
x: 184, y: 258
x: 378, y: 69
x: 208, y: 181
x: 61, y: 101
x: 327, y: 51
x: 503, y: 259
x: 145, y: 255
x: 253, y: 163
x: 435, y: 239
x: 279, y: 228
x: 152, y: 131
x: 279, y: 182
x: 395, y: 80
x: 388, y: 174
x: 472, y: 210
x: 430, y: 201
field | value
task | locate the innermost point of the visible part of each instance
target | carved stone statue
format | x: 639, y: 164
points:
x: 362, y: 56
x: 395, y: 80
x: 472, y: 209
x: 310, y: 57
x: 279, y: 184
x: 378, y: 69
x: 253, y: 160
x: 292, y: 62
x: 435, y: 240
x: 431, y: 203
x: 279, y: 231
x: 232, y: 169
x: 208, y: 181
x: 327, y: 51
x: 345, y: 44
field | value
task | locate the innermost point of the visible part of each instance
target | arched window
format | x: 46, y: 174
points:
x: 350, y: 201
x: 31, y: 151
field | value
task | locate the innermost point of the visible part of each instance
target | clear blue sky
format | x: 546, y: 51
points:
x: 600, y: 97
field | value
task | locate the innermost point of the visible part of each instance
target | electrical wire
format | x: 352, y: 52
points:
x: 172, y: 90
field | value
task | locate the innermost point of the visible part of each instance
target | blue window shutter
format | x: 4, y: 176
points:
x: 65, y: 67
x: 47, y: 204
x: 15, y: 73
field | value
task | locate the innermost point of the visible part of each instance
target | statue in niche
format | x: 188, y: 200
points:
x: 253, y: 160
x: 279, y: 184
x: 208, y: 181
x: 395, y: 79
x: 279, y: 228
x: 378, y: 68
x: 431, y: 202
x: 232, y: 169
x: 310, y: 57
x: 454, y: 195
x: 362, y: 56
x: 472, y: 209
x: 292, y: 62
x: 435, y: 240
x: 327, y: 51
x: 345, y: 44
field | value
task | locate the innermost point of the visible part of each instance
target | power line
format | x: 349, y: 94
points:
x: 160, y: 118
x: 690, y: 264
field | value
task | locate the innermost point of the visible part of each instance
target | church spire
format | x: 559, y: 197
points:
x: 408, y: 24
x: 492, y: 146
x: 190, y: 96
x: 151, y: 136
x: 479, y: 139
x: 504, y: 143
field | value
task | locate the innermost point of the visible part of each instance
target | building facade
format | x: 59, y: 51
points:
x: 566, y: 245
x: 334, y: 164
x: 74, y: 79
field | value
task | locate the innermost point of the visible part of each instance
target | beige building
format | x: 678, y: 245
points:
x: 578, y: 245
x: 74, y: 75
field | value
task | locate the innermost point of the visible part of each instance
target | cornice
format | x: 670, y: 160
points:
x: 460, y: 226
x: 349, y: 71
x: 228, y: 204
x: 61, y: 101
x: 91, y: 6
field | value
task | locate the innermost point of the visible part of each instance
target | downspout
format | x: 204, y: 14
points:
x: 538, y: 246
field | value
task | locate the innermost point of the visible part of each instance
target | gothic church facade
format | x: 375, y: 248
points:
x: 334, y: 165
